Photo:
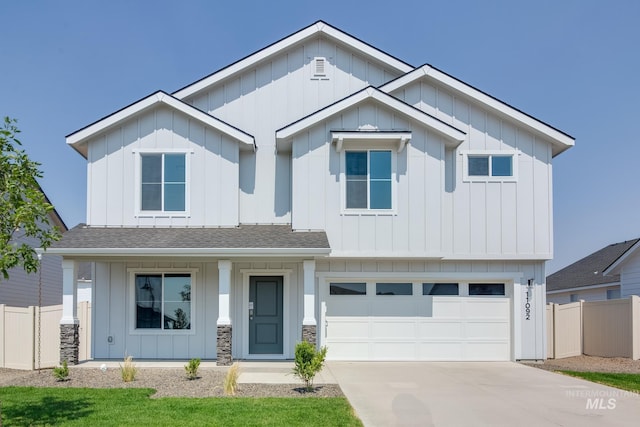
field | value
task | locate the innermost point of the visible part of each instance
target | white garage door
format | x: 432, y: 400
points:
x: 365, y: 322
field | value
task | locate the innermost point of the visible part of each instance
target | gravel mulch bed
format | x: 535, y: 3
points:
x: 590, y: 364
x: 168, y: 382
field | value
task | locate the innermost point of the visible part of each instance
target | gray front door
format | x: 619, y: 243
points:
x: 265, y: 315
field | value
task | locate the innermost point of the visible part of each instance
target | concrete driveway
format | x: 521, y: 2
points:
x: 478, y: 394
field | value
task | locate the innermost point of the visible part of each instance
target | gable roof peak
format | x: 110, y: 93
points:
x: 299, y: 36
x: 80, y: 138
x: 561, y: 141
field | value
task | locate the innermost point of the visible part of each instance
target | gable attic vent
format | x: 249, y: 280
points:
x: 319, y: 64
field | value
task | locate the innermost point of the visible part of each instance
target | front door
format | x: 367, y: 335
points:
x: 265, y: 315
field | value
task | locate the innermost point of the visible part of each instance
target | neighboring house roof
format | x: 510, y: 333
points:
x: 561, y: 141
x: 590, y: 271
x: 284, y: 135
x: 55, y: 217
x: 79, y: 138
x: 276, y: 48
x: 614, y: 268
x: 244, y: 240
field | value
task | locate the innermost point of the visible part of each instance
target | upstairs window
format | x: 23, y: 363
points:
x: 163, y: 183
x: 489, y: 167
x: 368, y: 179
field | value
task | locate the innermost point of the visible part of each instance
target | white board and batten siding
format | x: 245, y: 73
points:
x: 113, y: 171
x: 436, y: 211
x: 272, y: 94
x: 493, y: 218
x: 114, y: 315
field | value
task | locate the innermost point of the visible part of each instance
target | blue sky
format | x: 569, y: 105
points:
x: 571, y: 63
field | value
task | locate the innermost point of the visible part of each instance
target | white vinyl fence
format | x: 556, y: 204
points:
x: 30, y: 339
x: 608, y: 328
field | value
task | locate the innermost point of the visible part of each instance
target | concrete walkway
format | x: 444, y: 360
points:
x: 478, y: 394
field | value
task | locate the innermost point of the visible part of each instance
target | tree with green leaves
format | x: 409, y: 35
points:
x: 24, y: 210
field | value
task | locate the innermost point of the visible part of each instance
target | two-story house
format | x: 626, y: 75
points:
x: 318, y: 189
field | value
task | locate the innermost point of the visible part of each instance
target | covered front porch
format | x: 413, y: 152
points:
x: 172, y: 302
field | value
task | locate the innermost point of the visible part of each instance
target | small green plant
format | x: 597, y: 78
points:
x: 128, y: 370
x: 61, y: 372
x: 231, y: 380
x: 308, y: 362
x: 192, y: 368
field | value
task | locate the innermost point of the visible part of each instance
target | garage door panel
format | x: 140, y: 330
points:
x: 393, y: 351
x: 340, y: 327
x: 393, y: 328
x: 485, y: 329
x: 348, y: 351
x: 486, y: 308
x: 418, y: 327
x: 440, y: 350
x: 487, y: 351
x: 447, y: 308
x: 440, y: 329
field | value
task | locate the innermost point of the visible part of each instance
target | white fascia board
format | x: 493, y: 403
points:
x: 439, y: 256
x: 614, y: 268
x: 584, y: 288
x: 318, y: 27
x: 441, y: 127
x: 153, y: 100
x: 186, y: 252
x: 561, y: 140
x: 365, y: 48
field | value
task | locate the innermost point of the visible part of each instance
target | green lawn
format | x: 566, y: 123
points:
x: 630, y: 382
x: 119, y: 407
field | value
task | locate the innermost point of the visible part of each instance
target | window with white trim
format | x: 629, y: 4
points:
x: 163, y: 185
x: 163, y: 301
x: 495, y: 166
x: 368, y: 176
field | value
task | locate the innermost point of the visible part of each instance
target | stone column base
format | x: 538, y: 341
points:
x: 69, y: 343
x: 224, y: 345
x: 309, y: 333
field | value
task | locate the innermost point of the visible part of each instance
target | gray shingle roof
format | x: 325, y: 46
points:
x: 241, y: 237
x: 588, y: 270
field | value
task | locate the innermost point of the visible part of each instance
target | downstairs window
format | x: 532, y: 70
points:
x: 163, y: 301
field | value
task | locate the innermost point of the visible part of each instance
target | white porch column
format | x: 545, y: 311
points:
x: 69, y: 293
x: 224, y: 290
x: 69, y: 324
x: 309, y: 267
x: 309, y: 320
x: 224, y: 330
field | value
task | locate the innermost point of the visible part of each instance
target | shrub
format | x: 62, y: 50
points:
x: 128, y: 370
x: 231, y: 380
x: 61, y: 372
x: 192, y: 368
x: 308, y: 362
